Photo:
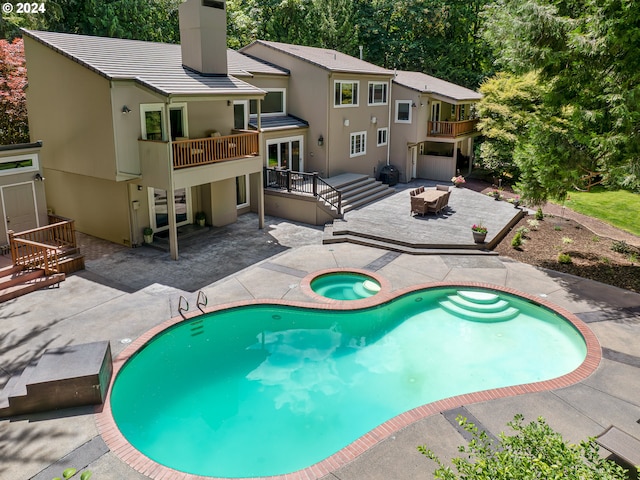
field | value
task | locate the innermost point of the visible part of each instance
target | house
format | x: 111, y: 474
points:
x: 142, y: 134
x: 345, y: 102
x: 432, y: 128
x: 22, y: 194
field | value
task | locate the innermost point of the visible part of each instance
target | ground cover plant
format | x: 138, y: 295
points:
x: 535, y: 451
x: 563, y: 245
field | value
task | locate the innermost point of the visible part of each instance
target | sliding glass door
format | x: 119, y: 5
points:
x: 160, y: 212
x: 285, y: 153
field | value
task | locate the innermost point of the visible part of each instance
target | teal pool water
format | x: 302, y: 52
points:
x: 345, y: 285
x: 266, y: 390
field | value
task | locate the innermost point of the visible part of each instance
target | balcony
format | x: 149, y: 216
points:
x: 451, y: 129
x: 204, y: 151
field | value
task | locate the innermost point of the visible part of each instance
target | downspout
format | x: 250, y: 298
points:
x: 261, y: 179
x: 327, y: 137
x: 389, y: 122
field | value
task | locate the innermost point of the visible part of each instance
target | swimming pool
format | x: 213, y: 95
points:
x: 324, y: 378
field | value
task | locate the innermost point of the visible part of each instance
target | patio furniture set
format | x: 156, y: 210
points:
x: 429, y: 201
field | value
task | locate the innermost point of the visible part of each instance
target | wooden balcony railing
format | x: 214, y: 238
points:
x: 451, y: 129
x: 203, y: 151
x: 41, y: 247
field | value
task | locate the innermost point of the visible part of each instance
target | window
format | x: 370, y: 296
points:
x: 377, y: 93
x: 242, y: 191
x: 19, y: 164
x: 382, y: 136
x: 178, y: 121
x: 346, y: 93
x: 159, y: 210
x: 152, y: 121
x: 403, y: 111
x: 274, y: 103
x: 285, y: 153
x: 240, y: 115
x: 358, y: 144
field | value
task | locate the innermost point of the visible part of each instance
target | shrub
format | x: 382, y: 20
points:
x: 539, y: 214
x: 533, y: 223
x: 621, y: 247
x: 566, y: 240
x: 522, y: 231
x: 516, y: 241
x: 557, y: 229
x: 70, y: 472
x: 535, y: 451
x: 564, y: 258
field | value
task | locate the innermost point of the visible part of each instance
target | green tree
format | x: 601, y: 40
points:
x: 509, y: 103
x: 589, y: 123
x: 535, y: 451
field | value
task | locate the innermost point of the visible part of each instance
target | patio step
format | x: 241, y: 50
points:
x: 64, y: 377
x: 395, y: 246
x: 15, y: 282
x: 358, y: 191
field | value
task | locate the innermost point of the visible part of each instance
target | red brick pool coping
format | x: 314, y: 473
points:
x: 119, y: 445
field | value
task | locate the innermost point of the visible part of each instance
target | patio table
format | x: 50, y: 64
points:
x: 431, y: 196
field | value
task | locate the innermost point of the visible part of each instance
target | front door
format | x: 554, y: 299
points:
x: 414, y: 162
x: 19, y: 203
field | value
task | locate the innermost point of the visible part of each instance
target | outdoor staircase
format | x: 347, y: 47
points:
x: 358, y: 190
x: 16, y: 281
x: 63, y: 377
x: 479, y: 306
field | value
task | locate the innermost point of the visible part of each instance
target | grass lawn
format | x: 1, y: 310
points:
x: 619, y: 208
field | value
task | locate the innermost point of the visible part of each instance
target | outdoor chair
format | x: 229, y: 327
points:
x: 418, y: 205
x: 413, y: 193
x: 436, y: 206
x: 621, y: 444
x: 420, y: 189
x: 444, y: 188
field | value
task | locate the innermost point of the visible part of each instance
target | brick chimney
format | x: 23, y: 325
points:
x: 203, y: 36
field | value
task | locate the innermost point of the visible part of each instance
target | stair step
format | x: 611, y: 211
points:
x: 368, y: 199
x: 504, y: 315
x: 71, y: 263
x: 359, y: 185
x: 478, y: 297
x: 497, y: 306
x: 19, y: 277
x: 364, y: 192
x: 11, y: 269
x: 30, y: 286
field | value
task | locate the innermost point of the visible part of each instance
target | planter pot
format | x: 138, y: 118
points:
x: 148, y: 238
x: 201, y: 222
x: 457, y: 185
x: 479, y: 237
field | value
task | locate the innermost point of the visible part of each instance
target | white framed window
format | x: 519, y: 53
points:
x: 19, y: 164
x: 358, y: 143
x: 240, y: 114
x: 346, y: 93
x: 403, y: 111
x: 152, y: 117
x: 242, y: 191
x: 382, y: 136
x: 274, y: 103
x: 286, y: 153
x: 377, y: 93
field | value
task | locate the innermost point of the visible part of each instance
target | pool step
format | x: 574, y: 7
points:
x: 479, y: 306
x: 498, y: 306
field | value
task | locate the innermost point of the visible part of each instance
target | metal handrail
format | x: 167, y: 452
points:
x: 182, y: 308
x: 202, y: 300
x: 303, y: 183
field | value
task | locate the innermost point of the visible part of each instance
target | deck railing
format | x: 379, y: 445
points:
x: 40, y: 247
x: 203, y: 151
x: 451, y: 129
x: 303, y: 183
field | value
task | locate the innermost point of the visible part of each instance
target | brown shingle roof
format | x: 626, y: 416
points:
x: 157, y: 66
x: 328, y: 59
x: 424, y: 83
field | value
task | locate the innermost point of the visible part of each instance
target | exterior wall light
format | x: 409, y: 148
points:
x: 374, y: 120
x: 346, y: 122
x: 320, y: 140
x: 38, y: 178
x: 126, y: 110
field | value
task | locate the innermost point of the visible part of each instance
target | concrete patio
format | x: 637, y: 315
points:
x: 123, y: 294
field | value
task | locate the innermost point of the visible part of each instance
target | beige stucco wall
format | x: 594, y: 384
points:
x: 204, y: 117
x: 310, y: 97
x: 105, y: 216
x: 70, y: 111
x: 299, y: 208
